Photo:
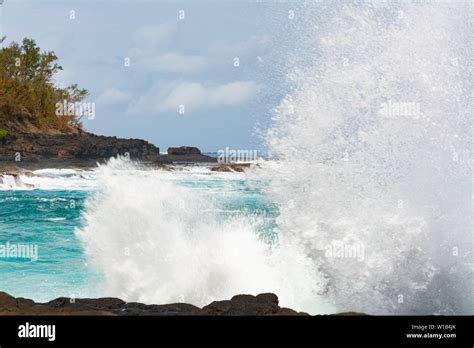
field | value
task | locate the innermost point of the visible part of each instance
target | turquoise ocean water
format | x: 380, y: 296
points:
x: 47, y: 218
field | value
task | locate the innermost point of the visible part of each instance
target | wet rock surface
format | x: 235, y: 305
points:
x: 262, y: 304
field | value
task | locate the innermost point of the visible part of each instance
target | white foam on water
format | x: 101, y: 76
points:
x: 56, y: 172
x: 8, y: 181
x: 49, y: 179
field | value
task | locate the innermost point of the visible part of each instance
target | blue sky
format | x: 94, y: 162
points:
x: 173, y: 62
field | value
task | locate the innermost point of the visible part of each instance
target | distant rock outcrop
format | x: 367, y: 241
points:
x: 85, y: 146
x: 183, y: 150
x: 86, y: 149
x: 187, y: 154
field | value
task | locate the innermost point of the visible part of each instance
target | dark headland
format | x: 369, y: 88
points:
x: 41, y: 122
x: 30, y: 150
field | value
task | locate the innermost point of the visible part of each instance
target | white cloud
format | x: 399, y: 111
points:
x: 194, y: 96
x: 112, y: 96
x: 148, y: 51
x: 153, y: 35
x: 174, y: 63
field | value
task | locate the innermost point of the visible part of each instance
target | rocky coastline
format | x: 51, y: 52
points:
x: 262, y: 304
x: 266, y: 304
x: 84, y: 150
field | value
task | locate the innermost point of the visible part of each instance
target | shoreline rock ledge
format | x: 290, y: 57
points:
x: 85, y: 150
x: 244, y: 305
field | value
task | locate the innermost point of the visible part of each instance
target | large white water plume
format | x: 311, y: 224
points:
x: 159, y: 242
x: 374, y: 153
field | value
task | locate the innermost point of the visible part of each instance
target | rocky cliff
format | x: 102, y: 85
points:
x: 84, y: 149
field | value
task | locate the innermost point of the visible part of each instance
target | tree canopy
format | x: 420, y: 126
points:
x: 28, y: 93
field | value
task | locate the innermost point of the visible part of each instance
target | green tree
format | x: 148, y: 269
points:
x: 27, y: 89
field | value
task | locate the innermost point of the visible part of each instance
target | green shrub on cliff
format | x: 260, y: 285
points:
x: 4, y: 133
x: 27, y: 90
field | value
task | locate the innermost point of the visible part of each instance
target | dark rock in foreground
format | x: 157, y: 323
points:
x: 263, y: 304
